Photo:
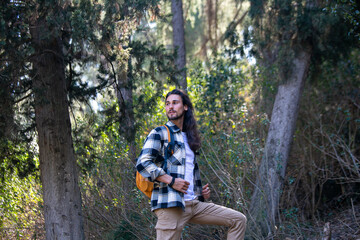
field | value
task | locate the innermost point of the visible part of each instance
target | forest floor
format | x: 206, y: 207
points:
x: 342, y: 224
x: 338, y: 224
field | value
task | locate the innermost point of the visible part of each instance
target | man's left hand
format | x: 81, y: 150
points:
x: 206, y: 191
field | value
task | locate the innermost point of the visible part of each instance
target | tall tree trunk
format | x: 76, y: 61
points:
x: 58, y: 168
x: 265, y: 199
x: 125, y: 101
x: 6, y: 110
x: 179, y: 42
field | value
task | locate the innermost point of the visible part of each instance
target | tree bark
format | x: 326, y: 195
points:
x: 6, y: 110
x: 125, y: 101
x: 179, y: 42
x: 58, y: 168
x: 265, y: 199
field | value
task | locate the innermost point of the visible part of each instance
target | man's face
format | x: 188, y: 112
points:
x: 175, y: 109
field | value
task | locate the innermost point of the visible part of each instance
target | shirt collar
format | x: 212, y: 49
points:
x: 173, y: 126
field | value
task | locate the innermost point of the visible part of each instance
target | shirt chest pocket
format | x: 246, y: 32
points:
x: 179, y: 154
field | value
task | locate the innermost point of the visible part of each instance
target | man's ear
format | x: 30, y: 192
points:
x: 185, y: 107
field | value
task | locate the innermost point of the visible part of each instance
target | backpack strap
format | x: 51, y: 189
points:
x: 169, y: 151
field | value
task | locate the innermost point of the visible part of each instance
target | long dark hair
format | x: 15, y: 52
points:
x: 189, y: 125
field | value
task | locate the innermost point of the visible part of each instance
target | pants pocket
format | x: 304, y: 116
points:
x: 167, y: 219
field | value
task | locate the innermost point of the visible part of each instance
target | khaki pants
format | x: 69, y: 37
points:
x: 171, y: 221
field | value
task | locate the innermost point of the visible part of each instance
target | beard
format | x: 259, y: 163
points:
x: 176, y: 117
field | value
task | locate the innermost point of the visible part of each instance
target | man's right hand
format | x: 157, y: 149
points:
x: 181, y: 185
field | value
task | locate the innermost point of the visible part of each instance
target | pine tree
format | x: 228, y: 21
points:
x: 59, y: 172
x: 179, y: 42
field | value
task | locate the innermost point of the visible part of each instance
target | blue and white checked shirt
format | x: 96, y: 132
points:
x: 149, y: 166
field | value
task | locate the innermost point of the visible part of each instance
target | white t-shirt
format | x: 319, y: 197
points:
x: 189, y: 169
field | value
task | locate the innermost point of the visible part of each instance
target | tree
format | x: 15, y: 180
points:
x: 115, y: 47
x: 59, y: 171
x: 179, y: 42
x: 231, y: 14
x: 14, y: 89
x: 52, y: 38
x: 125, y: 101
x: 288, y: 36
x: 278, y: 142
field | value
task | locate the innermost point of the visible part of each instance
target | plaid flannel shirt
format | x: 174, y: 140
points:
x: 149, y: 166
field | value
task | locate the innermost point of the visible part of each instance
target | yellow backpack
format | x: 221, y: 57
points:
x: 144, y: 184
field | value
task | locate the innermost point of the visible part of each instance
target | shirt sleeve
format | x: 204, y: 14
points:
x: 146, y: 161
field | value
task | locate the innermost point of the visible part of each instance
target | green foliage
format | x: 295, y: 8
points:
x: 16, y: 124
x: 16, y: 157
x: 153, y: 69
x: 279, y: 29
x: 111, y: 201
x: 21, y: 208
x: 125, y: 230
x: 351, y: 11
x: 218, y: 92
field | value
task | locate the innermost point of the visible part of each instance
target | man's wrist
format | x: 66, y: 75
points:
x: 172, y: 182
x: 164, y: 178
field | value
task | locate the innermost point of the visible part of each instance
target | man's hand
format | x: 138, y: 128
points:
x: 206, y: 191
x: 181, y: 185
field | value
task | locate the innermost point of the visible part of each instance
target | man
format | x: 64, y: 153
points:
x: 178, y: 193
